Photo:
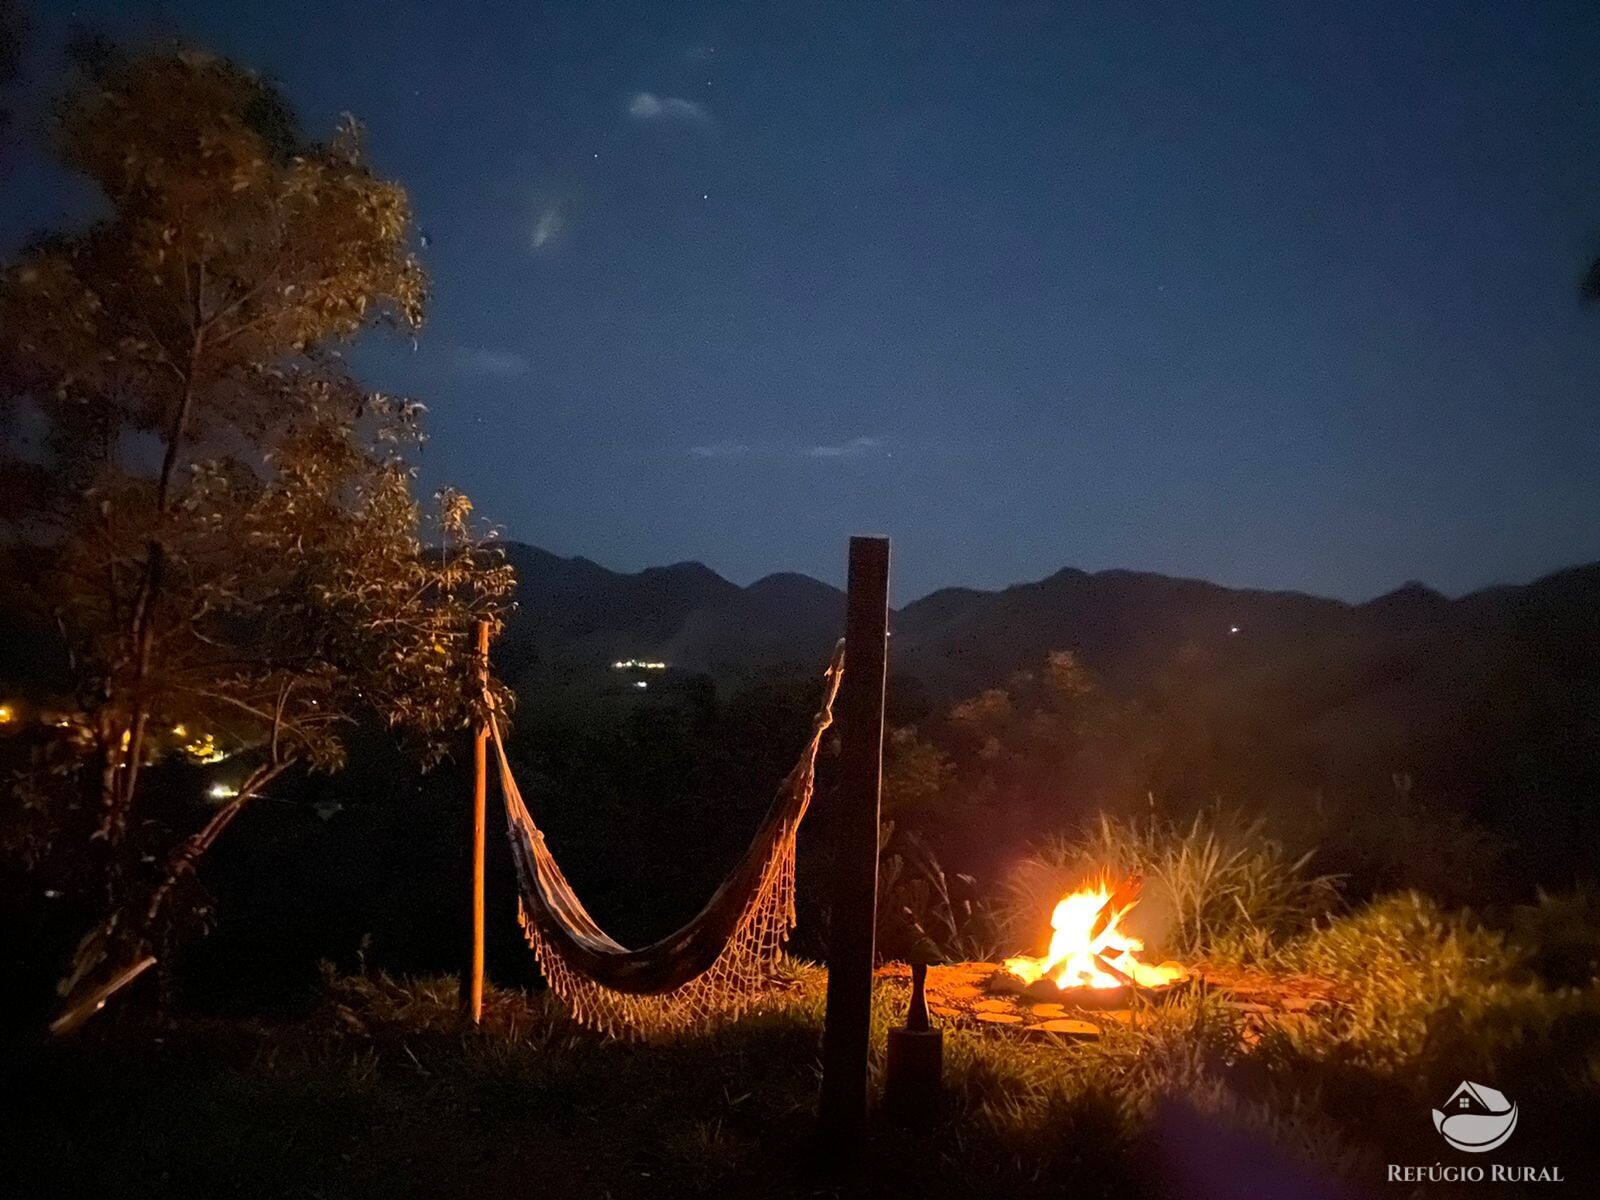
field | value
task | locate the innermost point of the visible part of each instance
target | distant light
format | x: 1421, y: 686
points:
x: 640, y: 683
x: 204, y: 749
x: 1233, y: 629
x: 223, y: 791
x: 7, y: 714
x: 180, y: 731
x: 638, y: 664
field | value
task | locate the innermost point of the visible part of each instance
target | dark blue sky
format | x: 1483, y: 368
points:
x: 1279, y: 295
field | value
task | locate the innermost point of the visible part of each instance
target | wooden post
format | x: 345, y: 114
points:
x: 914, y: 1065
x: 480, y: 795
x: 847, y: 1026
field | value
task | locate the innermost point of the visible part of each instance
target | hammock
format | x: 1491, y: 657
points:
x: 714, y: 967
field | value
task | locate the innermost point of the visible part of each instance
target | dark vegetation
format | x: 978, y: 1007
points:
x: 376, y: 1090
x: 649, y: 793
x: 211, y: 543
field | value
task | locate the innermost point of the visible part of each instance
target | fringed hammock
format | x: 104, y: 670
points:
x: 713, y: 968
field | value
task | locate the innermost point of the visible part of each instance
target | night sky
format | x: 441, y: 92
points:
x: 1276, y: 295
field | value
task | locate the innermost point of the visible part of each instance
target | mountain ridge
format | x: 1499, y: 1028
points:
x: 1411, y: 586
x: 1123, y: 623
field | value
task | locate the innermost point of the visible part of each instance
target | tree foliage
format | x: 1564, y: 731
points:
x: 201, y: 498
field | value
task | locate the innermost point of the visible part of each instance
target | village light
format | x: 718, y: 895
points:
x: 204, y: 749
x: 7, y: 714
x: 223, y: 791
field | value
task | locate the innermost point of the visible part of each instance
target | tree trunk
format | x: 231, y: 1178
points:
x: 144, y: 645
x: 142, y: 631
x: 186, y: 857
x: 117, y: 936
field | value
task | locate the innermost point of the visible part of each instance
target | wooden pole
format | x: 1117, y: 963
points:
x: 480, y: 796
x: 847, y: 1026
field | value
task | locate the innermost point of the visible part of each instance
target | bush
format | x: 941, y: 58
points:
x: 1560, y: 935
x: 1399, y: 842
x: 1228, y: 890
x: 1420, y: 984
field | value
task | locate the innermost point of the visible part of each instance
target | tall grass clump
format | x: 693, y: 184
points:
x: 920, y: 905
x: 1420, y: 985
x: 1227, y: 889
x: 1560, y: 935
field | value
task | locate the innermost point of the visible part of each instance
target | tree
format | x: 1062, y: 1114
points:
x: 214, y: 514
x: 1024, y: 740
x: 917, y: 776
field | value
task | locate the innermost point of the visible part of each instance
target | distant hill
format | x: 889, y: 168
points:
x: 1410, y: 681
x: 573, y: 614
x: 1490, y: 702
x: 1122, y: 624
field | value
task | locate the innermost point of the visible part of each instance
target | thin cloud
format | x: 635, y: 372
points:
x: 647, y: 106
x: 854, y: 448
x: 552, y: 220
x: 485, y: 360
x: 721, y: 450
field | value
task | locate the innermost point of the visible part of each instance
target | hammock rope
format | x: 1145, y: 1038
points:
x: 713, y: 968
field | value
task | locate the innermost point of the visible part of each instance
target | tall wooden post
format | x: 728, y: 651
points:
x: 847, y: 1027
x: 480, y: 822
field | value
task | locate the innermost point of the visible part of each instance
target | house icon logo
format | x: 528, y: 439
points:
x: 1475, y: 1118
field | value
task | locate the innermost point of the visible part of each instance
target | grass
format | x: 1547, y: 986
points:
x: 380, y: 1091
x: 1414, y: 976
x: 1219, y: 886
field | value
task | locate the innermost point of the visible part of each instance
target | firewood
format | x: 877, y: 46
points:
x: 1123, y: 897
x: 1121, y: 976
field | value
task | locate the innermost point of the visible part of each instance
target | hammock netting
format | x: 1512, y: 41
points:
x: 715, y: 967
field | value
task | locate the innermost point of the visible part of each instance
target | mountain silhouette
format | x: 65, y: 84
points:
x: 1494, y: 696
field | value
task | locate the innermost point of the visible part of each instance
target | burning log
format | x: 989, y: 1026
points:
x: 1117, y: 904
x: 1111, y: 969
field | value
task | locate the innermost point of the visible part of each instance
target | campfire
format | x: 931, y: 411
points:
x: 1091, y: 958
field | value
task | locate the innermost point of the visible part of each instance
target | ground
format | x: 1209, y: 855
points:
x: 377, y: 1090
x: 960, y: 996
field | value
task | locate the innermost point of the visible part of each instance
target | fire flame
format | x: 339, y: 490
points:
x: 1088, y: 947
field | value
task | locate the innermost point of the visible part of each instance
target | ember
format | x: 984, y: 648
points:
x: 1088, y: 948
